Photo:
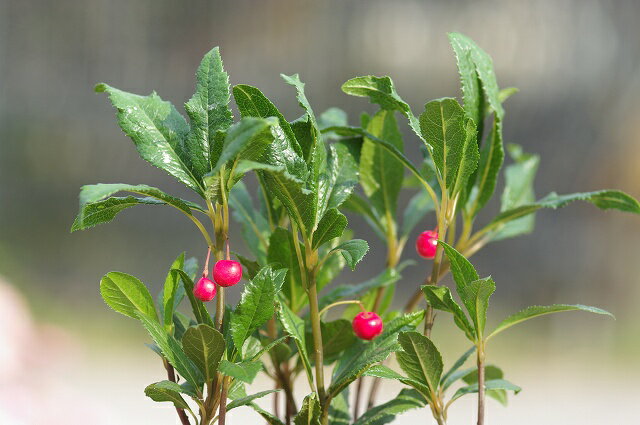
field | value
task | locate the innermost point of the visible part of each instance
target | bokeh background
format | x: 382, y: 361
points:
x: 64, y: 358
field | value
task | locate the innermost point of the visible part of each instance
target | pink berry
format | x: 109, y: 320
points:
x: 367, y: 325
x: 427, y: 243
x: 205, y: 289
x: 227, y: 272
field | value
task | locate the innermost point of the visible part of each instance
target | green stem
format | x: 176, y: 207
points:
x: 324, y: 310
x: 481, y: 392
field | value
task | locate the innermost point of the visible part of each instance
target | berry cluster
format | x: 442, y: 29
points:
x: 225, y: 273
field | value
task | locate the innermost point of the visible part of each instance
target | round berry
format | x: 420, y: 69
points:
x: 205, y: 289
x: 227, y: 272
x: 367, y: 325
x: 427, y: 243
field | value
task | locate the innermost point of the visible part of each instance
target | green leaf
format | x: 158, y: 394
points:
x: 282, y: 252
x: 204, y: 346
x: 337, y: 181
x: 463, y: 272
x: 603, y: 199
x: 295, y: 81
x: 270, y: 418
x: 127, y: 295
x: 252, y: 103
x: 98, y: 207
x: 172, y: 350
x: 339, y: 413
x: 490, y: 373
x: 491, y: 158
x: 169, y: 291
x: 449, y: 377
x: 309, y: 413
x: 420, y: 359
x: 536, y: 310
x: 257, y: 304
x: 479, y: 292
x: 384, y: 279
x: 360, y: 356
x: 381, y: 175
x: 453, y: 138
x: 199, y: 310
x: 332, y: 117
x: 439, y: 297
x: 246, y: 139
x: 337, y: 336
x: 255, y: 227
x: 380, y: 90
x: 244, y: 371
x: 490, y: 385
x: 352, y: 251
x: 518, y: 191
x: 156, y: 129
x: 468, y: 52
x: 419, y: 205
x: 295, y: 327
x: 209, y: 112
x: 387, y: 412
x: 166, y: 391
x: 243, y: 401
x: 330, y: 227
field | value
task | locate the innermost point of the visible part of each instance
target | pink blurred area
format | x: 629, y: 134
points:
x: 34, y: 359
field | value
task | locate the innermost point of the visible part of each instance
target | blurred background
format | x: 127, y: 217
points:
x: 65, y: 358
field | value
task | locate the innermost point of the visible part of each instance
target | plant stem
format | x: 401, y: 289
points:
x: 222, y: 413
x: 481, y: 391
x: 356, y: 401
x: 324, y: 310
x: 184, y: 419
x: 317, y: 338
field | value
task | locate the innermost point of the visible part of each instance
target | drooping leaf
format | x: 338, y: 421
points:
x: 169, y: 291
x: 385, y: 413
x: 330, y: 227
x: 209, y: 112
x: 489, y: 385
x: 381, y: 90
x: 166, y: 391
x: 536, y: 310
x: 360, y: 356
x: 381, y: 175
x: 309, y: 413
x: 156, y: 129
x: 205, y: 346
x: 257, y: 304
x: 127, y: 295
x: 352, y: 251
x: 439, y: 297
x: 453, y: 138
x: 314, y: 132
x: 420, y: 359
x: 244, y: 371
x: 267, y: 416
x: 172, y: 350
x: 98, y: 207
x: 282, y: 253
x: 244, y: 401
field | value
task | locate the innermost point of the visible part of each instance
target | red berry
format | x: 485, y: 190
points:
x: 227, y: 272
x: 367, y: 325
x: 427, y: 243
x: 205, y: 289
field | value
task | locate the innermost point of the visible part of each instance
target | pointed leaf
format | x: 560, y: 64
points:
x: 209, y: 112
x: 156, y: 129
x: 243, y: 401
x: 352, y: 251
x: 295, y: 327
x: 536, y: 310
x: 257, y: 304
x: 309, y: 413
x: 478, y: 303
x: 453, y: 138
x: 127, y: 295
x: 420, y: 359
x: 493, y: 384
x: 282, y: 253
x: 204, y: 346
x: 387, y: 412
x: 439, y: 297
